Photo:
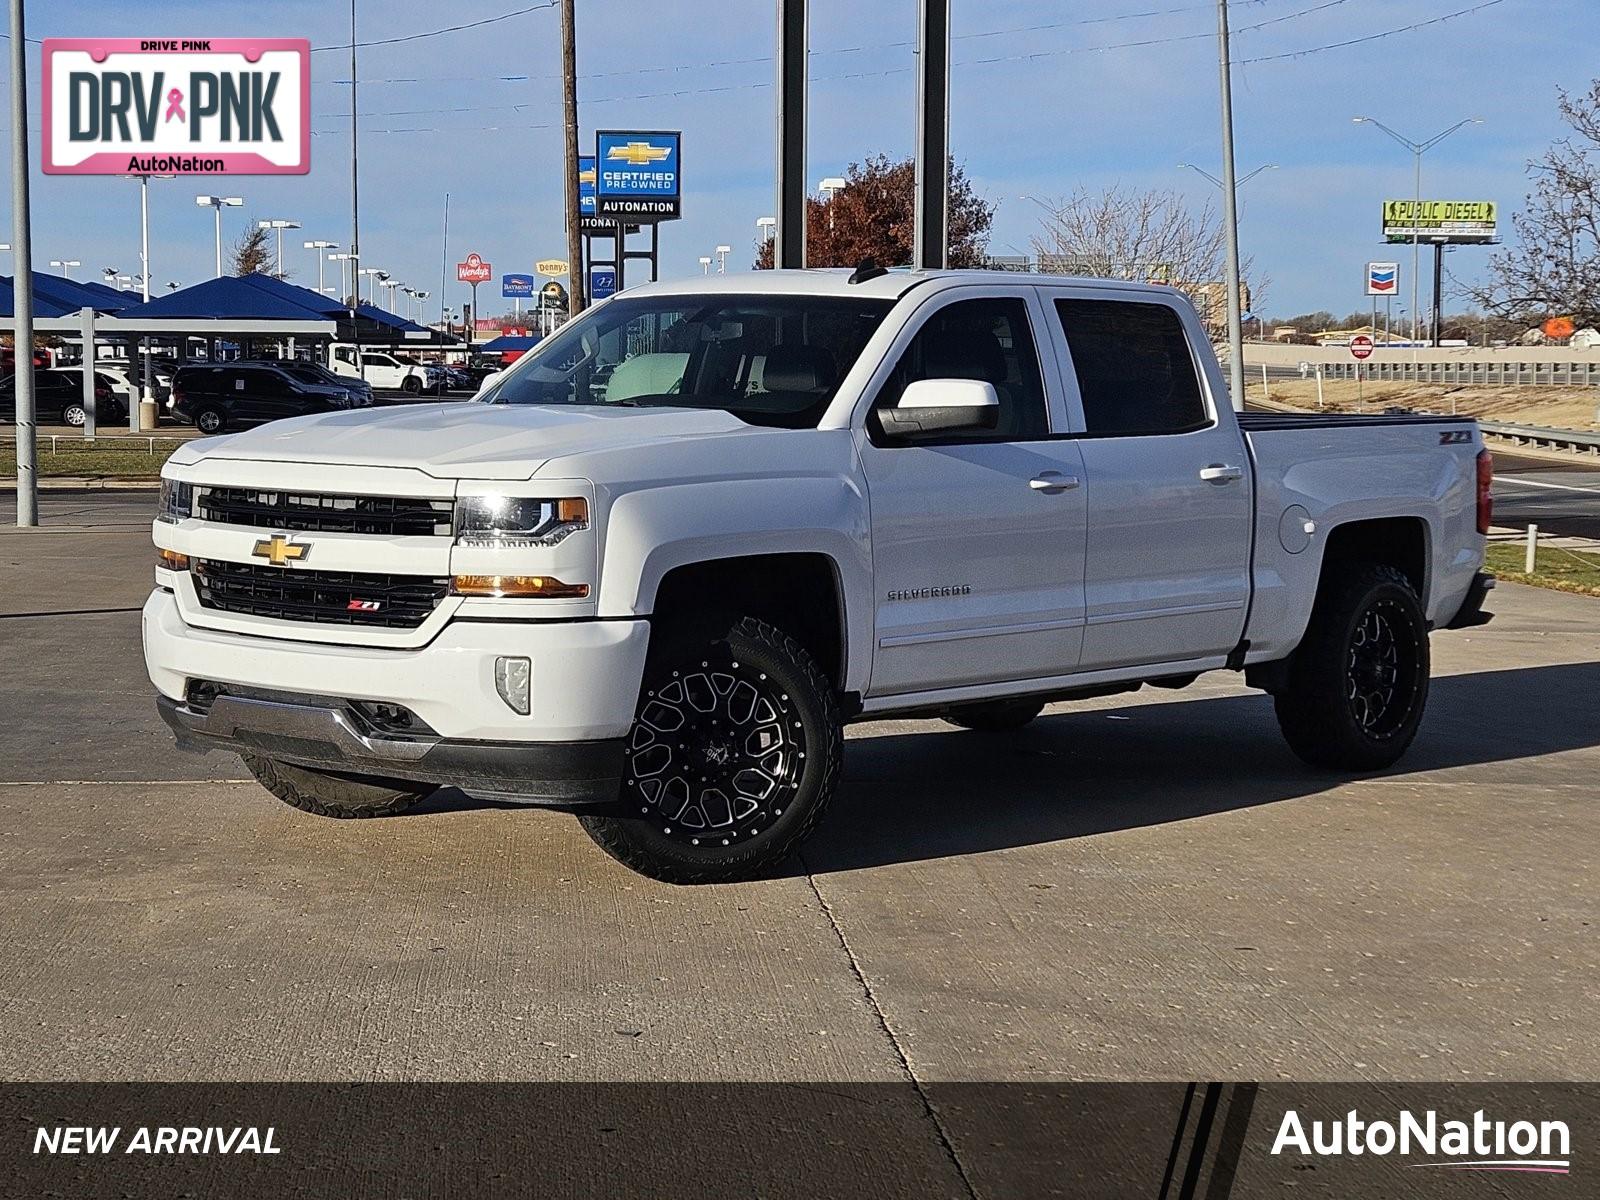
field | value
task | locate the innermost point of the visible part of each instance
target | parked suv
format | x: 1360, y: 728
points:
x: 58, y: 396
x: 316, y: 375
x: 215, y: 397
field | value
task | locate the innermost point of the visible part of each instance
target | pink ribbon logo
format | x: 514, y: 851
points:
x: 175, y: 105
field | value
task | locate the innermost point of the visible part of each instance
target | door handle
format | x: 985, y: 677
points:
x: 1053, y: 483
x: 1221, y: 473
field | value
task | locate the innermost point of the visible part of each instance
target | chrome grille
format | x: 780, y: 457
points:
x: 313, y: 512
x: 327, y: 597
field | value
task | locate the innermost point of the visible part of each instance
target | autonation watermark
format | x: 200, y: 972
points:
x: 1478, y: 1144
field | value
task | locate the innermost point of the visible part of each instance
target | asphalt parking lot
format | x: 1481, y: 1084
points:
x: 1145, y: 887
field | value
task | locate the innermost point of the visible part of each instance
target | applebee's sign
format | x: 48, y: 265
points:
x: 177, y: 106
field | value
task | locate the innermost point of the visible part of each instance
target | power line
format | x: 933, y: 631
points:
x: 433, y: 33
x: 1371, y: 37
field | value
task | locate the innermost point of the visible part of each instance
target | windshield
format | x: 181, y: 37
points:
x: 768, y: 360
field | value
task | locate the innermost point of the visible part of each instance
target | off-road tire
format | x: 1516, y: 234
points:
x: 328, y: 795
x: 994, y: 716
x: 210, y: 419
x: 684, y: 844
x: 1358, y: 683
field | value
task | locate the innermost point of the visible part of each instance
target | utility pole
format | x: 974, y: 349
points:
x: 576, y: 292
x: 355, y: 201
x: 22, y: 279
x: 789, y: 240
x: 1230, y: 216
x: 931, y: 239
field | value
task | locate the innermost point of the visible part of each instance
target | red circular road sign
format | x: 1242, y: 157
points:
x: 1361, y: 347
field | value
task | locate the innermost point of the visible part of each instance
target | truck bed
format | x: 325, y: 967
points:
x: 1262, y: 422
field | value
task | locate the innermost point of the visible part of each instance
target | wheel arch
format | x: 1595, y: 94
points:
x: 1399, y: 542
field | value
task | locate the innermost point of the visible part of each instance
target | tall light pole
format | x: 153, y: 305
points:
x: 346, y: 262
x: 22, y: 284
x: 1418, y: 149
x: 1230, y: 215
x: 1243, y: 179
x: 705, y: 264
x: 219, y: 203
x: 280, y: 226
x: 66, y: 265
x: 722, y: 259
x: 768, y: 226
x: 321, y: 261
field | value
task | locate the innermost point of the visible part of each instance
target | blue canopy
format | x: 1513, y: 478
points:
x: 58, y: 296
x: 509, y: 343
x: 395, y: 321
x: 239, y: 298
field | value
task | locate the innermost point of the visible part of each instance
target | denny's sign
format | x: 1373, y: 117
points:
x: 153, y: 106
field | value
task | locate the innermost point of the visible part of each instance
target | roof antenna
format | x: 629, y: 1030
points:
x: 866, y: 269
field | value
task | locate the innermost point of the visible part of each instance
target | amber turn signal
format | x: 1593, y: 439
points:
x: 171, y: 560
x: 541, y: 586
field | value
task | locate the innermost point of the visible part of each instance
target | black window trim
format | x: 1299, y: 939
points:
x: 1069, y: 370
x: 961, y: 295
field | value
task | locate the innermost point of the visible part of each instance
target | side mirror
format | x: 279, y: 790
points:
x: 942, y: 406
x: 489, y: 381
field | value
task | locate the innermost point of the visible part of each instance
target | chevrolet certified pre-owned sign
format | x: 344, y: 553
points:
x: 636, y: 175
x: 177, y: 106
x: 1450, y: 221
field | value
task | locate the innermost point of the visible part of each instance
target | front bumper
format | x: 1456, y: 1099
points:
x: 331, y: 735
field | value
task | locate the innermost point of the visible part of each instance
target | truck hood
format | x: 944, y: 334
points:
x: 460, y: 440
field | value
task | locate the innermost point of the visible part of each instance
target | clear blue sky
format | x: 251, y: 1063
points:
x: 1046, y: 97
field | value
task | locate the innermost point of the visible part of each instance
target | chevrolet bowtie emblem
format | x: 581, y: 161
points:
x: 639, y: 153
x: 280, y: 551
x: 586, y: 176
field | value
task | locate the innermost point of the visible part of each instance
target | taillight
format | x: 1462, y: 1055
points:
x: 1485, y: 490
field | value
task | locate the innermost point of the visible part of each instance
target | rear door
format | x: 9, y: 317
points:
x: 977, y: 536
x: 1167, y: 571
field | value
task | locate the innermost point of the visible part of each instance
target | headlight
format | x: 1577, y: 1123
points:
x: 517, y: 521
x: 176, y: 503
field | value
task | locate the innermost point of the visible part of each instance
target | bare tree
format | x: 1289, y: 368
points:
x: 1553, y: 268
x: 1148, y: 236
x: 251, y: 253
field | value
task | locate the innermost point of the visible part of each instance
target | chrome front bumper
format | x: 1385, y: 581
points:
x: 329, y: 734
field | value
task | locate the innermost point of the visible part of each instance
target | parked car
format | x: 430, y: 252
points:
x: 58, y: 397
x: 317, y: 375
x: 651, y: 574
x: 384, y: 370
x: 226, y: 395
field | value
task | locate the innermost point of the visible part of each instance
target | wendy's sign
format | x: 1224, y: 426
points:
x: 170, y: 106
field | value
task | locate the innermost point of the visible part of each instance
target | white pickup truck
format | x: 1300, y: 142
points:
x: 650, y: 575
x: 384, y: 370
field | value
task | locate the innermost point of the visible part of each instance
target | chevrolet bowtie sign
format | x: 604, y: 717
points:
x: 636, y: 175
x: 177, y: 106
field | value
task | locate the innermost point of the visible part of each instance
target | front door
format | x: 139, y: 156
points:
x: 1167, y: 572
x: 978, y: 537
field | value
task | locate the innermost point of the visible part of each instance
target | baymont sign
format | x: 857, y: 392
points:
x: 171, y: 106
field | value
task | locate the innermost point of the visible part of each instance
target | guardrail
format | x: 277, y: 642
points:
x: 1533, y: 435
x: 54, y: 443
x: 1484, y: 372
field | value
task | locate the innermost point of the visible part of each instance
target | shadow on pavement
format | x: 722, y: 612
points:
x: 916, y: 796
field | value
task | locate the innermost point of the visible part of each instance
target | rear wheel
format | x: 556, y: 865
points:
x: 733, y: 757
x: 210, y: 420
x: 411, y: 385
x: 995, y: 716
x: 333, y: 795
x: 1359, y: 681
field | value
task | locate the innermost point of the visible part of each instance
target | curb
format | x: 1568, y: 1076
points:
x: 86, y: 483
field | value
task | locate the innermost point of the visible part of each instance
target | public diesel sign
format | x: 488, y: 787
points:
x: 1459, y: 222
x: 169, y: 106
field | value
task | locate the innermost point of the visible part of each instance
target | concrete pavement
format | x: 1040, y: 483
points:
x: 1145, y: 887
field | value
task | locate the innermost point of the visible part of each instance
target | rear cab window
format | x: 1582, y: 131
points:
x: 1135, y: 368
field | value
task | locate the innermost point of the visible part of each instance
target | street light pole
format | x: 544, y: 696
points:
x: 1230, y: 215
x: 319, y: 247
x: 218, y: 203
x: 1418, y: 149
x: 280, y: 226
x: 66, y: 265
x: 722, y: 259
x: 22, y: 280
